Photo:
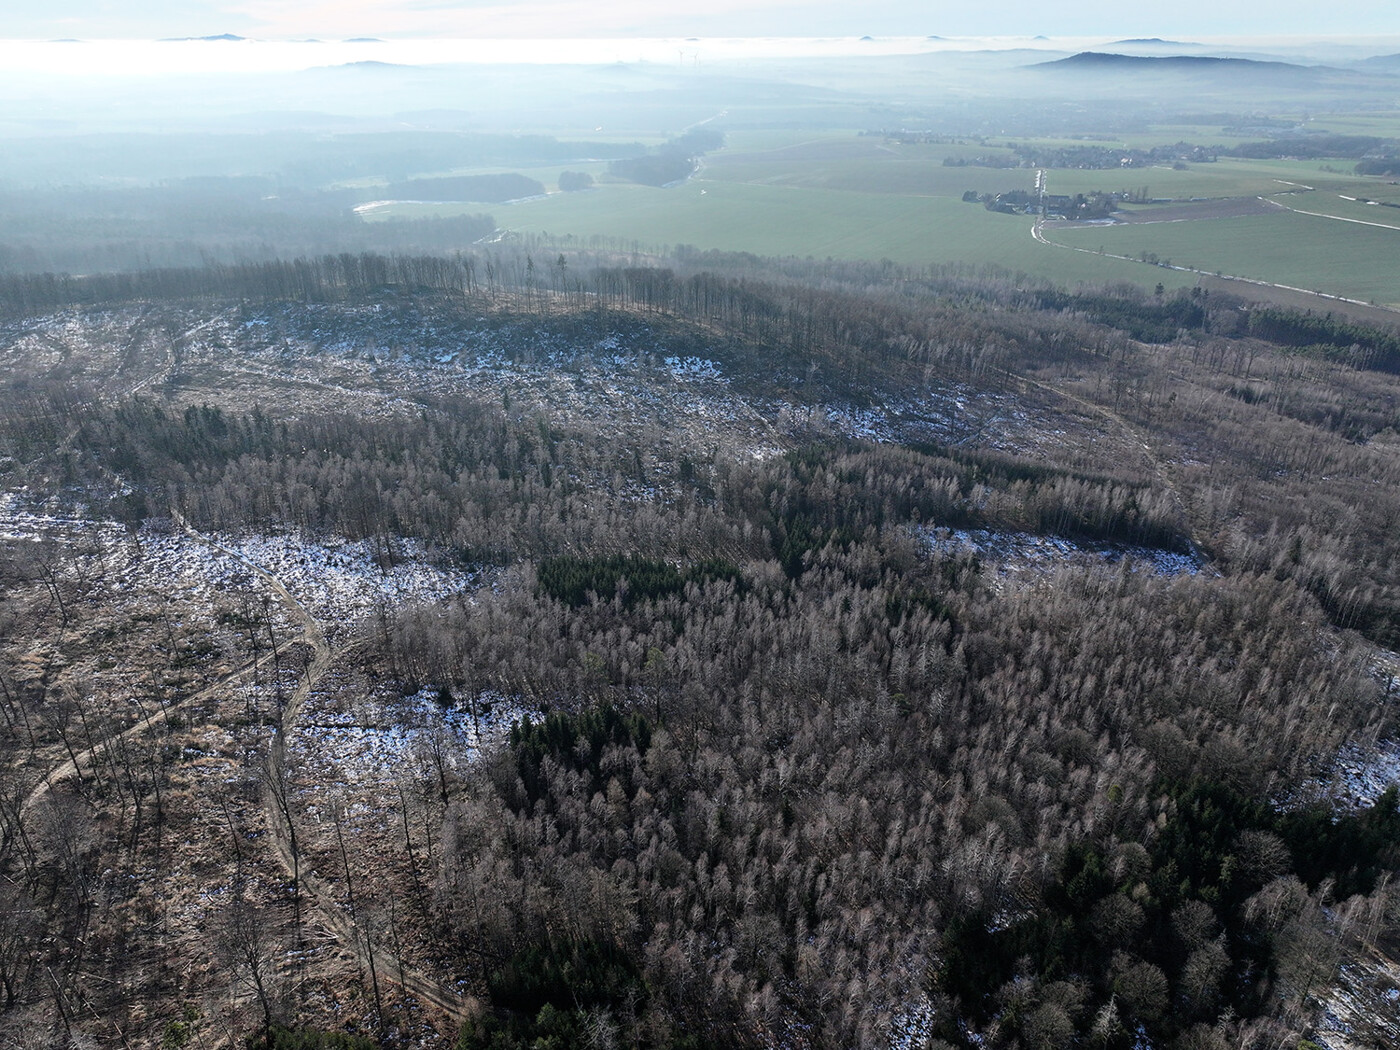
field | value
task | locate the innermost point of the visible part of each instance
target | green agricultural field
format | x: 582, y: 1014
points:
x: 1324, y: 176
x: 841, y: 194
x: 1382, y: 125
x: 868, y: 164
x: 788, y: 221
x: 1227, y: 177
x: 1304, y: 251
x: 873, y: 165
x: 1348, y: 208
x: 1209, y: 135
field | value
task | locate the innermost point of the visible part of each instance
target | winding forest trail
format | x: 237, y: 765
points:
x: 377, y: 962
x: 72, y: 766
x: 1131, y: 430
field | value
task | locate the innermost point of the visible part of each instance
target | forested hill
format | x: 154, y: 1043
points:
x: 1091, y: 71
x: 547, y: 648
x: 1197, y: 65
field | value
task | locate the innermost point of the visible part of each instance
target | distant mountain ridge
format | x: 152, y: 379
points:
x: 1151, y: 41
x: 1110, y: 60
x: 1379, y: 62
x: 189, y: 39
x: 1242, y: 71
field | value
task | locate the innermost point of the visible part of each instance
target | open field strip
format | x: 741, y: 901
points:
x: 1347, y: 218
x: 1290, y: 249
x: 1305, y: 295
x: 794, y: 221
x: 846, y: 195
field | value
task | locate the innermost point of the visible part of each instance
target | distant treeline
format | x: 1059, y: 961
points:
x: 1360, y: 345
x: 670, y: 162
x: 196, y: 221
x: 1379, y: 166
x: 805, y: 329
x: 1304, y: 147
x: 325, y: 279
x: 1150, y: 320
x: 293, y: 160
x: 1094, y: 157
x: 493, y: 189
x: 1309, y: 147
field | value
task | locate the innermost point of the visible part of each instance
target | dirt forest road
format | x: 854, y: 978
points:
x: 376, y: 961
x: 73, y: 766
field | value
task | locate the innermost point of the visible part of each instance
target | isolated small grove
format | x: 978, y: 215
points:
x: 688, y: 734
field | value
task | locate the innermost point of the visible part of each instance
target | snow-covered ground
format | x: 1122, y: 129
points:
x: 1014, y: 553
x: 1362, y: 774
x: 337, y: 580
x: 1363, y: 1009
x: 868, y: 424
x: 1357, y: 778
x: 695, y: 368
x: 369, y: 746
x: 341, y: 581
x: 20, y: 519
x: 910, y: 1028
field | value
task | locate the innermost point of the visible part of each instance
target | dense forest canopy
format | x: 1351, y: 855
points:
x: 735, y: 723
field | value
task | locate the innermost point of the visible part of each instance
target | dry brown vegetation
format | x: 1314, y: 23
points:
x: 792, y: 776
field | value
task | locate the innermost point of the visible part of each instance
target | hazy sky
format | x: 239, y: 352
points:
x: 45, y: 19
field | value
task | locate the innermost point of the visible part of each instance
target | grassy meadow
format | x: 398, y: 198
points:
x: 1303, y: 251
x: 844, y: 194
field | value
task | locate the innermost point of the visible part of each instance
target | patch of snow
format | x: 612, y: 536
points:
x: 340, y: 581
x: 869, y: 424
x: 20, y: 520
x: 912, y: 1026
x: 1356, y: 780
x: 1015, y: 552
x: 378, y: 742
x: 1359, y: 1010
x: 694, y: 368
